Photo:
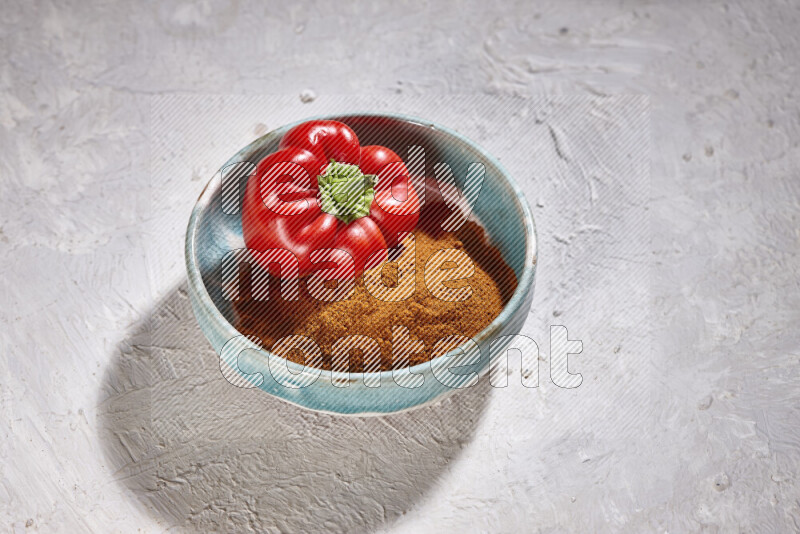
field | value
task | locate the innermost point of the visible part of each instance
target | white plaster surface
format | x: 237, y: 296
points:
x: 114, y: 415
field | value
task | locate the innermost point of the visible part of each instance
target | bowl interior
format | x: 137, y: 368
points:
x: 500, y: 207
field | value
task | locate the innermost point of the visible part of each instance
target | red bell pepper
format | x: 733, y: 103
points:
x: 322, y: 190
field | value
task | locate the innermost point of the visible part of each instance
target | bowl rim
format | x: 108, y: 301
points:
x: 524, y: 285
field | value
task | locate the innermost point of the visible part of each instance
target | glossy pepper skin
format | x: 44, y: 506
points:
x: 283, y: 204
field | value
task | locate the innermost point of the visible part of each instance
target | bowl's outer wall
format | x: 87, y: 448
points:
x: 213, y: 233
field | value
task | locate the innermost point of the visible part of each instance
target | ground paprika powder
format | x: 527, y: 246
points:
x: 427, y: 317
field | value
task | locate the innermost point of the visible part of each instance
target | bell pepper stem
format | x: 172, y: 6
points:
x: 345, y: 192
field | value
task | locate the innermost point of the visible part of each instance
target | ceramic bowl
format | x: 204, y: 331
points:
x: 215, y: 229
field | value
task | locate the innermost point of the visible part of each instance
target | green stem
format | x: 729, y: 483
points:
x: 345, y: 192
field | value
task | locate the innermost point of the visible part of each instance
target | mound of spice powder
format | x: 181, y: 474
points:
x: 427, y: 317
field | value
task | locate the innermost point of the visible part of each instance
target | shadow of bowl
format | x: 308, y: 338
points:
x: 203, y: 455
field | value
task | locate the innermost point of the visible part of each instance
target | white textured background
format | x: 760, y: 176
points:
x: 699, y: 433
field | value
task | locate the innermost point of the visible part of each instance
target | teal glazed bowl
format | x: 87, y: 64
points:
x: 215, y: 229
